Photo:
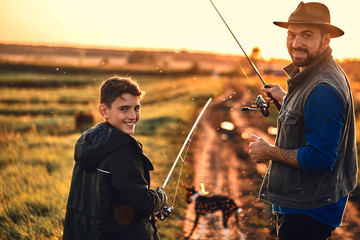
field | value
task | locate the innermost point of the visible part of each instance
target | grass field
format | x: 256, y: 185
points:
x: 38, y: 133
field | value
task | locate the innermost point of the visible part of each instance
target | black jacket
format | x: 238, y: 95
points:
x: 110, y: 195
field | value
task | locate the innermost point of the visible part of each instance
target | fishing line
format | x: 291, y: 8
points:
x: 182, y: 162
x: 163, y: 213
x: 188, y: 143
x: 202, y: 185
x: 248, y: 79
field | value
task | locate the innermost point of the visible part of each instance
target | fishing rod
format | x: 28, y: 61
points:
x: 278, y: 106
x: 167, y: 209
x: 186, y: 141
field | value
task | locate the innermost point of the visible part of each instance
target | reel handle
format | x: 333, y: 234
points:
x: 164, y: 212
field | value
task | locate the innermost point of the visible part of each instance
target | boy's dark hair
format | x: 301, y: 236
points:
x: 115, y: 86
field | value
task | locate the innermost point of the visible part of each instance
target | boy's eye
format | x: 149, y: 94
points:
x: 137, y: 108
x: 123, y: 109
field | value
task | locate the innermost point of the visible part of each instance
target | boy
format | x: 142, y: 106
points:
x: 110, y: 195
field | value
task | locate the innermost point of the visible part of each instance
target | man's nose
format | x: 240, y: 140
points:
x: 297, y: 42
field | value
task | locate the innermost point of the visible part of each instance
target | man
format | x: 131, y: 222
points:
x: 313, y: 164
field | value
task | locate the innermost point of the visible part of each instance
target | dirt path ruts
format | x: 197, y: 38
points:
x: 220, y: 160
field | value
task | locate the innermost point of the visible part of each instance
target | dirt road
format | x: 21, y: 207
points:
x: 220, y: 160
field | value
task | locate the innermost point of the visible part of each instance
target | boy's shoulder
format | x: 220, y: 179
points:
x: 104, y: 133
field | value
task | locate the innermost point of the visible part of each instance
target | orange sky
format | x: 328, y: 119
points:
x: 168, y: 24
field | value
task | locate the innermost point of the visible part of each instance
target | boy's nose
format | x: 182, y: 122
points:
x: 131, y: 115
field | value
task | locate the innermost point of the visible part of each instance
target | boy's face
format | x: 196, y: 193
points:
x: 123, y: 114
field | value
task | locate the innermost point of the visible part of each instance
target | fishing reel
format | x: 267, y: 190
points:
x: 258, y: 104
x: 164, y: 212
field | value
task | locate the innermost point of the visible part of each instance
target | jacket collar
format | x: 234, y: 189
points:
x: 296, y: 76
x: 127, y: 137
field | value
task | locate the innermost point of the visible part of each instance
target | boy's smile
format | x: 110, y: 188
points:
x: 123, y: 114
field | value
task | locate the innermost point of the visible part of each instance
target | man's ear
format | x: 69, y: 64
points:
x: 103, y: 111
x: 326, y: 41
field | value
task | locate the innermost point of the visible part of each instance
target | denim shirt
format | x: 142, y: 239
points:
x: 293, y: 187
x: 323, y: 130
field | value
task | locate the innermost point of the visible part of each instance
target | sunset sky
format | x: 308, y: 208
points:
x: 191, y: 25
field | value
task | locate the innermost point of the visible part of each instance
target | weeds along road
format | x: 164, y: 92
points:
x: 220, y: 161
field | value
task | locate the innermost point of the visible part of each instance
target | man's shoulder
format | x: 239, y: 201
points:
x: 331, y: 71
x: 324, y: 89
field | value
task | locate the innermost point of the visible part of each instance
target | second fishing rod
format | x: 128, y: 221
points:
x: 277, y: 104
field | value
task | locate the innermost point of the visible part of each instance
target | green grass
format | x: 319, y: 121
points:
x: 35, y: 174
x: 37, y: 137
x: 57, y: 79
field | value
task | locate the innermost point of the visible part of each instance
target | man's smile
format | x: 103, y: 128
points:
x: 299, y: 52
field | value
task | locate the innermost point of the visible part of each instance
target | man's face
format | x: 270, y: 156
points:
x: 123, y: 114
x: 305, y: 43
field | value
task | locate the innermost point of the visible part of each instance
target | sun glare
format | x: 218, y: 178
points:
x: 164, y: 24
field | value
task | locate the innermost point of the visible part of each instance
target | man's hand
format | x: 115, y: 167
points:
x: 262, y: 151
x: 259, y: 149
x: 276, y: 91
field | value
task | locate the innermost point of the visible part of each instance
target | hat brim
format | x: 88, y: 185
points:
x: 334, y: 31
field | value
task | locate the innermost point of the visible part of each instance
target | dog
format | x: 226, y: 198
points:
x: 205, y: 205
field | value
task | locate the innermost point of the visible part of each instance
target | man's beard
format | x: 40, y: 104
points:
x: 303, y: 62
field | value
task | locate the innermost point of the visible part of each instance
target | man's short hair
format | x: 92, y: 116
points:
x: 115, y: 86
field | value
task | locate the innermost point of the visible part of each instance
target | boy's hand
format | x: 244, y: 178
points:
x: 162, y: 196
x: 165, y: 208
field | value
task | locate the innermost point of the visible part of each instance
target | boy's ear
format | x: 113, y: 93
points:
x: 103, y: 111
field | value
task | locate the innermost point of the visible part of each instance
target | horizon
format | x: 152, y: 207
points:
x: 109, y: 48
x: 161, y: 25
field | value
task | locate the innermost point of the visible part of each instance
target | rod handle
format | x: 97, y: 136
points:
x: 277, y: 104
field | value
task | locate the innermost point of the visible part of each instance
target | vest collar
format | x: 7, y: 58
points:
x: 296, y: 76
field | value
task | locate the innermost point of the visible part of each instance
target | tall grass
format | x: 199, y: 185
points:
x: 35, y: 174
x: 37, y: 136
